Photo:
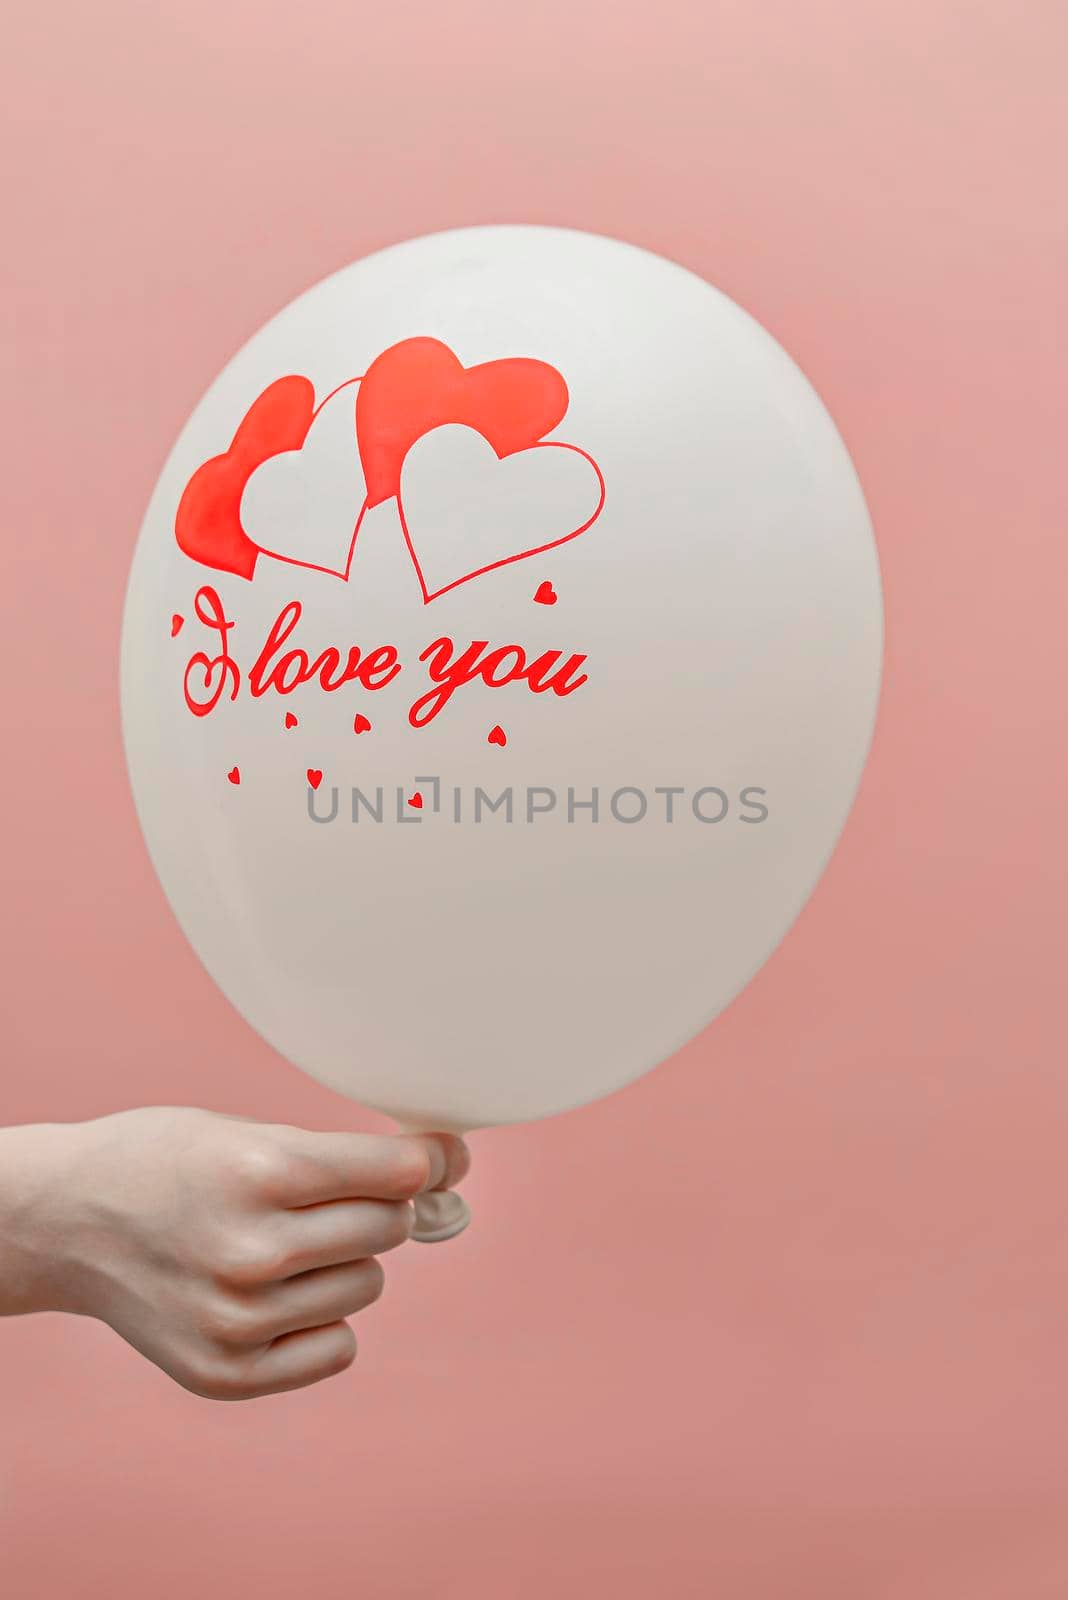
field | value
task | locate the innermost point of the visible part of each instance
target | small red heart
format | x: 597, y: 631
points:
x: 497, y: 735
x: 234, y: 774
x: 315, y: 777
x: 176, y: 625
x: 416, y: 800
x: 361, y: 724
x: 545, y: 594
x: 291, y: 720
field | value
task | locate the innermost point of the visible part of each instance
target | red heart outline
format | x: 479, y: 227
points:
x: 314, y: 566
x: 520, y: 555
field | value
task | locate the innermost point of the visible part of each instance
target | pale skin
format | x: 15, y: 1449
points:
x: 230, y: 1253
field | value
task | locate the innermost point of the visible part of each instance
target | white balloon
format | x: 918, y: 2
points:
x: 675, y: 574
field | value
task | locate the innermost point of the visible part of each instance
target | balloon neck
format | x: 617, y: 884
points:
x: 440, y: 1214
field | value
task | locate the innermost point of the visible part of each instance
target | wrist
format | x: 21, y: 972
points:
x: 42, y: 1265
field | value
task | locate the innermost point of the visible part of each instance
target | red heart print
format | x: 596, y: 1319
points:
x: 234, y: 774
x: 497, y: 736
x: 416, y: 800
x: 420, y: 384
x: 315, y: 777
x: 207, y: 525
x: 545, y: 594
x: 291, y: 720
x: 176, y: 625
x: 361, y: 724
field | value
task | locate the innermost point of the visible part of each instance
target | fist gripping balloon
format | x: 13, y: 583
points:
x: 500, y: 658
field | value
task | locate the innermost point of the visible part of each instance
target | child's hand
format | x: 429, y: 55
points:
x: 227, y: 1252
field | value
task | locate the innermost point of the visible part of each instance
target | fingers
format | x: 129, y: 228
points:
x: 247, y: 1337
x: 315, y: 1299
x: 341, y: 1231
x: 291, y: 1362
x: 341, y: 1166
x: 251, y: 1341
x: 289, y: 1252
x: 298, y: 1359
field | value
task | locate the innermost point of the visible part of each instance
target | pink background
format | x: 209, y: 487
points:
x: 788, y: 1318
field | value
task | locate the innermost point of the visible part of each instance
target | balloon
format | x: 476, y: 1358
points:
x: 500, y: 658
